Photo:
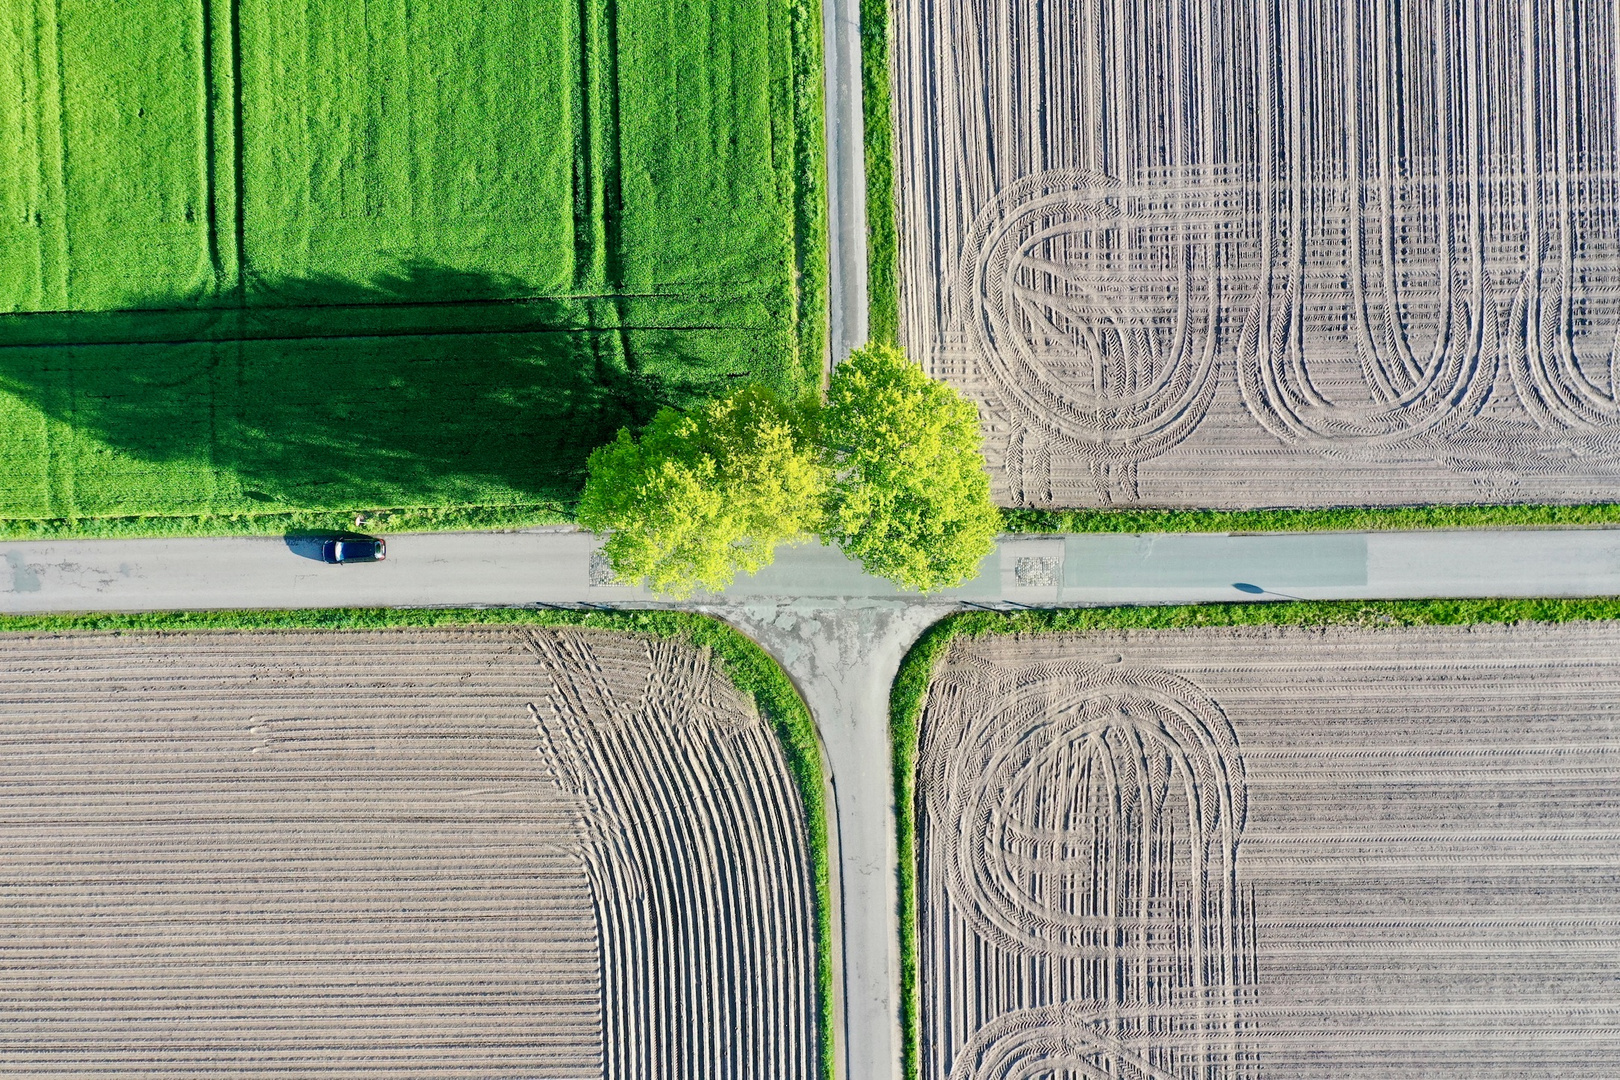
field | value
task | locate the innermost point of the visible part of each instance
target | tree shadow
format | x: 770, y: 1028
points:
x: 427, y: 386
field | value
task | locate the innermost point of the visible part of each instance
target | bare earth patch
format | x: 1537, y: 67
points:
x: 1272, y: 853
x: 491, y: 853
x: 1302, y: 253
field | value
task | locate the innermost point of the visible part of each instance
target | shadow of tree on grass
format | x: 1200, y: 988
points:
x: 331, y: 394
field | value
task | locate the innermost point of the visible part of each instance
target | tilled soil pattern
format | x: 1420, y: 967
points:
x: 1228, y: 254
x: 1270, y: 853
x: 491, y: 853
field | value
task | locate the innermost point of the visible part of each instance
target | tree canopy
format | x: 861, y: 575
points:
x: 707, y: 493
x: 910, y: 496
x: 890, y: 468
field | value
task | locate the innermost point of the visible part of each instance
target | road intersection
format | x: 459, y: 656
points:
x: 839, y: 632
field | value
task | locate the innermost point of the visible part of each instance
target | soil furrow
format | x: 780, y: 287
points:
x: 1124, y: 869
x: 494, y: 853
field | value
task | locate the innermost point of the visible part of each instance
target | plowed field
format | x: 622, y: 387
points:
x: 278, y: 255
x: 1269, y: 853
x: 481, y: 853
x: 1305, y: 253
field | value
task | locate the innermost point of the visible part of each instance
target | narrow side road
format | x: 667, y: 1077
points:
x: 846, y: 179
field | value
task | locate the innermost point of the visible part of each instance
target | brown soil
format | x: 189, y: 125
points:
x: 1304, y: 253
x: 481, y: 853
x: 1273, y: 853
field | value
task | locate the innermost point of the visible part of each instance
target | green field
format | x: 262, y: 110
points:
x: 287, y: 256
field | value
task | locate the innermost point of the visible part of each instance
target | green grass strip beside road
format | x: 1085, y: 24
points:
x: 1340, y: 518
x: 809, y: 177
x: 750, y: 669
x: 278, y: 523
x: 447, y: 518
x: 882, y: 237
x: 917, y: 670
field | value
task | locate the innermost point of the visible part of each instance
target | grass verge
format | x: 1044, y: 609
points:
x: 532, y: 515
x: 277, y: 523
x: 810, y: 189
x: 749, y: 668
x: 910, y: 692
x: 1358, y: 518
x: 882, y: 238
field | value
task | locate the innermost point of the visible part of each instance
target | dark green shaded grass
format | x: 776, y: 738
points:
x: 882, y: 242
x: 1344, y: 518
x: 910, y: 691
x: 438, y: 282
x: 742, y: 661
x: 365, y: 402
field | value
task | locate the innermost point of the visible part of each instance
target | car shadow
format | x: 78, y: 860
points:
x: 308, y: 543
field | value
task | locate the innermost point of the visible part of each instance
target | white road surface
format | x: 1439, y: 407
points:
x: 846, y: 179
x: 553, y: 567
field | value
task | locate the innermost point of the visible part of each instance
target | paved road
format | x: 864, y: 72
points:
x: 839, y: 632
x: 846, y: 179
x: 843, y: 655
x: 553, y: 567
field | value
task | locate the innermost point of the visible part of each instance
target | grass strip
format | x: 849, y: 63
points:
x: 279, y: 522
x: 750, y: 669
x: 1343, y: 518
x: 907, y: 698
x: 810, y: 189
x: 882, y: 237
x: 532, y: 515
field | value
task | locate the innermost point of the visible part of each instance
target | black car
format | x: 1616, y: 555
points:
x: 349, y: 549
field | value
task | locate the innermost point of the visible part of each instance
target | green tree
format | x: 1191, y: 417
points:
x: 706, y: 493
x: 910, y: 496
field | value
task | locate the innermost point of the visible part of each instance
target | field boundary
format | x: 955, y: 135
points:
x: 749, y: 668
x: 808, y: 176
x: 882, y: 235
x: 1016, y: 521
x: 279, y: 522
x: 1326, y: 519
x: 917, y: 670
